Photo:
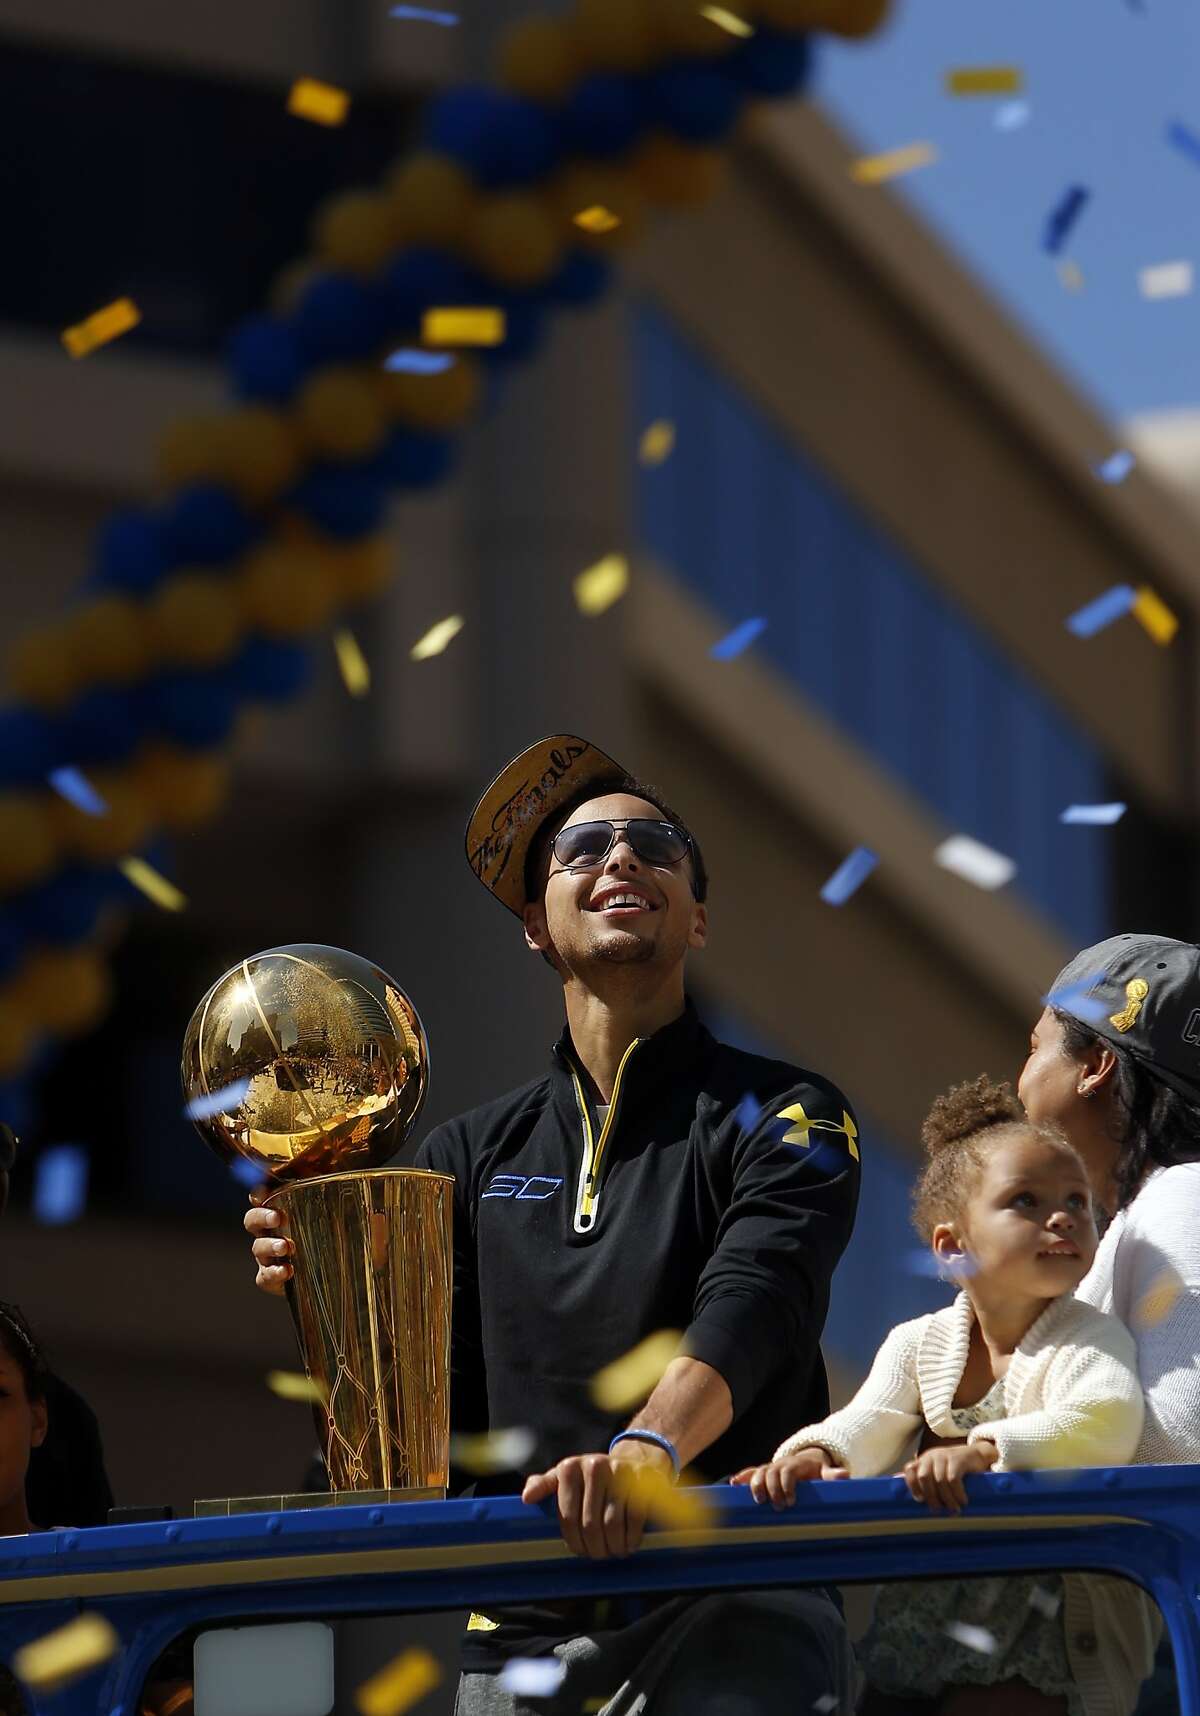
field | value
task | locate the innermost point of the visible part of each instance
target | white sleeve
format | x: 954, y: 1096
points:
x: 1092, y: 1411
x: 869, y: 1435
x: 1156, y: 1291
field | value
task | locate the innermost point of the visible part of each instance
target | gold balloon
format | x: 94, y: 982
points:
x: 513, y: 240
x: 613, y: 35
x: 357, y: 230
x: 321, y: 1058
x: 439, y: 401
x: 29, y: 840
x: 192, y: 449
x: 108, y: 640
x: 360, y: 570
x: 182, y: 788
x: 262, y: 455
x: 338, y: 412
x: 195, y: 618
x: 432, y: 197
x: 64, y: 991
x: 42, y: 668
x: 288, y: 590
x: 121, y: 830
x: 677, y: 174
x: 539, y: 60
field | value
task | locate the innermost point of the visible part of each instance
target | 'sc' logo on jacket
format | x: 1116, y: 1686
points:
x: 531, y: 1188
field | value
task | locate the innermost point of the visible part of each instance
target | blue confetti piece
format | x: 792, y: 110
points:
x: 1094, y: 616
x: 60, y: 1186
x: 1062, y: 218
x: 739, y: 639
x: 1093, y: 815
x: 247, y: 1174
x: 1078, y: 1000
x: 748, y: 1112
x: 79, y: 791
x: 423, y: 15
x: 849, y: 876
x: 218, y: 1101
x: 1183, y: 138
x: 1116, y: 467
x: 923, y: 1262
x: 1011, y: 115
x: 410, y: 361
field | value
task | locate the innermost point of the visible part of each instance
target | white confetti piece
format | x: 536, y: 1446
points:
x: 826, y: 1702
x: 1045, y: 1602
x: 533, y: 1676
x: 1011, y: 115
x: 1166, y: 280
x: 975, y: 1638
x: 493, y: 1450
x: 437, y: 638
x: 975, y: 862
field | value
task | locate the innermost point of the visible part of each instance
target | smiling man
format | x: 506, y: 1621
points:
x: 652, y: 1179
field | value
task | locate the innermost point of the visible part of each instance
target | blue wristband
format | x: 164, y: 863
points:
x: 663, y: 1442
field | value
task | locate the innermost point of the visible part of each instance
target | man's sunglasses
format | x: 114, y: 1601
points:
x: 585, y: 844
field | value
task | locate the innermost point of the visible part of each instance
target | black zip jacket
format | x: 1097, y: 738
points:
x: 574, y: 1241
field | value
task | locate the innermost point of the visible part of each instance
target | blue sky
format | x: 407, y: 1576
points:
x: 1102, y: 81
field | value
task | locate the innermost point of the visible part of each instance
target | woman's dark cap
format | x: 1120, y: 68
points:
x: 1142, y: 994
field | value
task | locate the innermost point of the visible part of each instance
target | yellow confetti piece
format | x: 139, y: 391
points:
x: 104, y: 325
x: 985, y: 80
x: 1158, y: 1301
x: 677, y: 1506
x: 628, y: 1381
x: 597, y: 219
x: 291, y: 1385
x: 657, y: 443
x: 602, y: 584
x: 727, y: 20
x: 400, y: 1685
x: 1070, y: 274
x: 874, y: 169
x: 323, y: 103
x: 1155, y: 615
x: 355, y: 668
x: 437, y: 637
x: 153, y: 884
x: 474, y: 327
x: 63, y: 1655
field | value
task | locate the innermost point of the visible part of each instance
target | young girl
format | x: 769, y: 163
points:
x: 1015, y: 1374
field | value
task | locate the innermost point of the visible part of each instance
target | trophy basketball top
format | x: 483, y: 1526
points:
x: 305, y: 1060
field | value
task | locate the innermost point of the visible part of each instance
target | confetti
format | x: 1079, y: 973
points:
x: 1012, y: 115
x: 247, y: 1174
x: 748, y: 1112
x: 1153, y: 614
x: 680, y: 1507
x: 533, y: 1676
x: 875, y: 169
x: 738, y: 640
x: 975, y: 1638
x: 1158, y: 1301
x: 826, y: 1702
x: 153, y: 884
x: 219, y: 1102
x: 102, y: 326
x: 985, y: 80
x: 403, y: 1683
x: 423, y: 15
x: 355, y: 668
x: 493, y: 1451
x: 1079, y: 1000
x: 1094, y: 616
x: 60, y: 1186
x: 727, y: 20
x: 79, y: 791
x: 1063, y: 216
x: 1165, y: 280
x: 975, y: 862
x: 597, y: 219
x: 321, y: 102
x: 1116, y: 467
x: 459, y: 327
x: 1045, y: 1602
x: 922, y: 1261
x: 657, y: 442
x: 290, y: 1385
x: 1095, y: 815
x: 63, y: 1655
x: 602, y: 585
x: 1181, y: 137
x: 629, y: 1381
x: 411, y: 360
x: 849, y: 876
x: 1070, y: 274
x: 437, y: 638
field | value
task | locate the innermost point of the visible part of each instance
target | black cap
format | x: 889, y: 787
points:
x: 1141, y: 992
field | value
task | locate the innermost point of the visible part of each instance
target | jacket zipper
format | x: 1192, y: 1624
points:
x: 587, y: 1198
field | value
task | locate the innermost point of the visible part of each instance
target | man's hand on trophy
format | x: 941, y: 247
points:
x: 271, y: 1247
x: 603, y: 1499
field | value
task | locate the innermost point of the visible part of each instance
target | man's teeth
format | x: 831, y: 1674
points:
x: 623, y: 900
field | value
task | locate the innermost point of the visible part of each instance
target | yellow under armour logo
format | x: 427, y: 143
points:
x: 802, y: 1126
x: 1136, y: 991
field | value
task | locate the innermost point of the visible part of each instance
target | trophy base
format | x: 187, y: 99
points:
x: 221, y: 1507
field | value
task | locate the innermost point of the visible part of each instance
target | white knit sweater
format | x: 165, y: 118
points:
x: 1072, y: 1398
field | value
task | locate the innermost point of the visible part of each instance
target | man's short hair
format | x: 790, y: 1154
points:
x: 537, y: 858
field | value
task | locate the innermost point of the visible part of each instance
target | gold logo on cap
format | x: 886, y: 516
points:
x: 1136, y: 991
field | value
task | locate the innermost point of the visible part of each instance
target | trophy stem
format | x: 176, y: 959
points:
x: 370, y: 1301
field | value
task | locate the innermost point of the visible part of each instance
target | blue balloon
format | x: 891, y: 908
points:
x: 605, y: 114
x: 582, y: 279
x: 266, y: 360
x: 339, y: 318
x: 269, y: 670
x: 195, y: 710
x: 103, y: 726
x: 16, y: 1105
x: 131, y: 553
x: 698, y: 103
x: 410, y: 459
x: 207, y: 525
x: 502, y: 139
x: 421, y: 278
x: 344, y: 501
x: 65, y: 909
x: 30, y: 747
x: 771, y: 62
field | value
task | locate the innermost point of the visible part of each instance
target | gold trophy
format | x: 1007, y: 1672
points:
x: 312, y: 1063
